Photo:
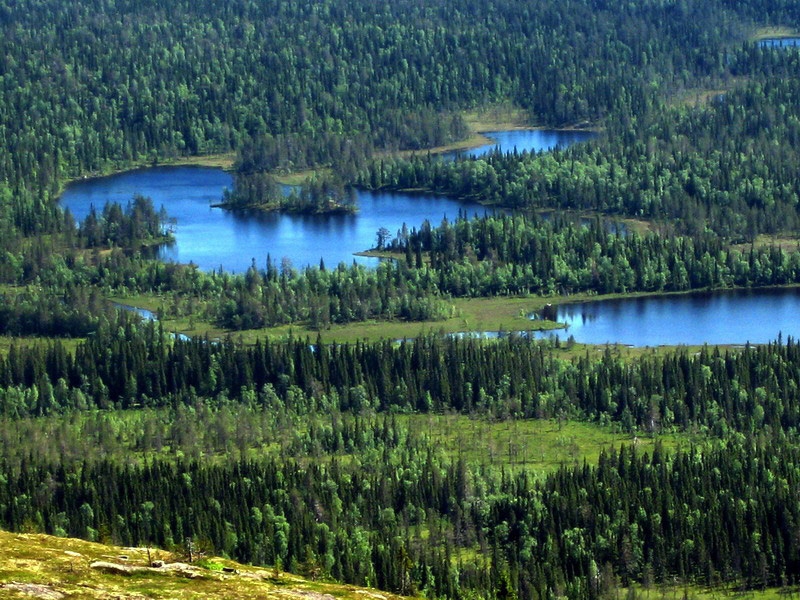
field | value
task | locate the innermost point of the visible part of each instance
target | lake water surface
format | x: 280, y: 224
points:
x: 212, y: 238
x: 526, y: 140
x: 724, y: 317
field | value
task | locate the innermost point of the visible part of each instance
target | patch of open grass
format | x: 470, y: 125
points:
x: 496, y: 117
x: 787, y: 242
x: 775, y: 31
x: 10, y: 290
x: 697, y: 96
x: 537, y: 445
x: 696, y: 592
x: 26, y: 341
x: 300, y: 177
x: 221, y: 161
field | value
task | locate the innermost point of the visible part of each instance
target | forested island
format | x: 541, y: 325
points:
x: 260, y: 191
x: 340, y: 421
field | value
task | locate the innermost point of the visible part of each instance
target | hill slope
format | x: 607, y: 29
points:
x: 51, y: 568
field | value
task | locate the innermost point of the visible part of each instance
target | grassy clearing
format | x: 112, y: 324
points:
x: 220, y: 161
x: 7, y: 341
x: 300, y: 177
x: 638, y: 226
x: 540, y: 446
x: 695, y: 592
x: 697, y: 96
x: 495, y: 117
x: 510, y: 314
x: 787, y: 242
x: 33, y: 565
x: 776, y: 31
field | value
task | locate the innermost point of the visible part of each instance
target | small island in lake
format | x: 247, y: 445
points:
x: 320, y: 194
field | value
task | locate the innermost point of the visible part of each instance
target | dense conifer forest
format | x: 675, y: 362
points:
x: 302, y: 453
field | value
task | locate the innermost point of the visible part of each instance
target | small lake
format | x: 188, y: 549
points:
x: 212, y: 237
x: 724, y: 317
x: 526, y: 140
x: 790, y: 42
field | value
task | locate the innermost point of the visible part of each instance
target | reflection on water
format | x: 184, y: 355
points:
x: 790, y: 42
x: 525, y: 140
x: 725, y: 317
x: 213, y: 238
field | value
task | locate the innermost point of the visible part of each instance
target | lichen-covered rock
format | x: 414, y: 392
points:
x: 35, y: 590
x: 114, y: 568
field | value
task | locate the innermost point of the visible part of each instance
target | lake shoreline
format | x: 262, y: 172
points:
x: 190, y: 192
x: 722, y: 316
x: 496, y: 314
x: 226, y: 160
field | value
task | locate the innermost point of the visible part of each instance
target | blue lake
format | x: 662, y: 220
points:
x: 526, y: 140
x: 724, y: 317
x: 212, y: 237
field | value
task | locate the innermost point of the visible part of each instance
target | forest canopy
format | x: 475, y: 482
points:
x: 301, y: 453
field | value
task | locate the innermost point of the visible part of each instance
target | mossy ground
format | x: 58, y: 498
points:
x: 774, y: 31
x: 221, y: 161
x: 539, y: 446
x: 61, y: 566
x: 472, y: 314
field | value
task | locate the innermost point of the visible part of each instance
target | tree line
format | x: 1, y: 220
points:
x: 724, y: 165
x: 125, y: 365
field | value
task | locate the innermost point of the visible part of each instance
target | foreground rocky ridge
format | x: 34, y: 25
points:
x: 52, y: 568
